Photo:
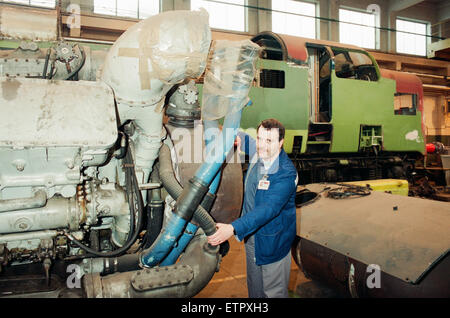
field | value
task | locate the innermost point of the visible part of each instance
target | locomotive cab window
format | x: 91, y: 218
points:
x: 272, y: 49
x: 354, y: 65
x: 405, y: 104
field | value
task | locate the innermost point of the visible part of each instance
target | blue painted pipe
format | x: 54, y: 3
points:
x: 184, y: 240
x: 206, y: 173
x: 205, y: 177
x: 165, y: 241
x: 191, y: 229
x: 212, y: 124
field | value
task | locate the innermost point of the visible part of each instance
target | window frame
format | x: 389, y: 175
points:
x: 374, y: 65
x: 376, y: 26
x: 410, y: 110
x: 30, y: 4
x: 316, y: 20
x: 137, y: 16
x: 244, y: 7
x: 426, y: 35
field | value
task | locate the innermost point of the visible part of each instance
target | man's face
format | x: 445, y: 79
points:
x: 267, y: 144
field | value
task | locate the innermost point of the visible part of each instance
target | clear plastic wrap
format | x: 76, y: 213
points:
x: 229, y: 75
x: 155, y: 54
x: 179, y: 44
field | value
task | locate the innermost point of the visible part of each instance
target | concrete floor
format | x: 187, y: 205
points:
x: 231, y: 281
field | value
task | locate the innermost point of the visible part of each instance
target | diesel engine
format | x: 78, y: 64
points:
x: 95, y: 197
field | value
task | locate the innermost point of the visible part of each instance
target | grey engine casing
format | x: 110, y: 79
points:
x: 51, y: 134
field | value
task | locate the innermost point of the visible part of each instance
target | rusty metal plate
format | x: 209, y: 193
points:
x: 405, y: 236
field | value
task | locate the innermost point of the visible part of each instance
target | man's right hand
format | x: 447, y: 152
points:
x: 238, y: 143
x: 223, y: 233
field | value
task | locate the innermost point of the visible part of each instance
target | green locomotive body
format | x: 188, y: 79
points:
x: 345, y: 118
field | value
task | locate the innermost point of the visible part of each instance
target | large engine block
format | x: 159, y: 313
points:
x: 55, y: 135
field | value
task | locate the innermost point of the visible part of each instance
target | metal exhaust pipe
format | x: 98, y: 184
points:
x: 186, y: 278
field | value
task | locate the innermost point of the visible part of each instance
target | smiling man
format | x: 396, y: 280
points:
x: 267, y: 224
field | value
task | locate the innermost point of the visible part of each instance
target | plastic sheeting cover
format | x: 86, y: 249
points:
x: 180, y: 45
x: 228, y: 77
x: 156, y: 53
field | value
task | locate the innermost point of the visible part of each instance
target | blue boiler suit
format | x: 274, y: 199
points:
x: 268, y: 223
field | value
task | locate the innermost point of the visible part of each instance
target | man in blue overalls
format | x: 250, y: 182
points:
x: 268, y: 220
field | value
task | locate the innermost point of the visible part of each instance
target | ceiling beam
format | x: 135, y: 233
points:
x: 399, y: 5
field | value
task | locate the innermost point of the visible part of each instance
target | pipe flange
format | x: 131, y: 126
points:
x: 91, y: 205
x: 184, y: 108
x: 65, y: 52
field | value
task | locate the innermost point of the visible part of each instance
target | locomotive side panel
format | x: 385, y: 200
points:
x: 288, y: 103
x: 365, y: 103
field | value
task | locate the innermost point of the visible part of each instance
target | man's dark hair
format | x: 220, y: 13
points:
x: 273, y: 123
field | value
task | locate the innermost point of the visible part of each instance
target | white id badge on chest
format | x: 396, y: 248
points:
x: 263, y: 184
